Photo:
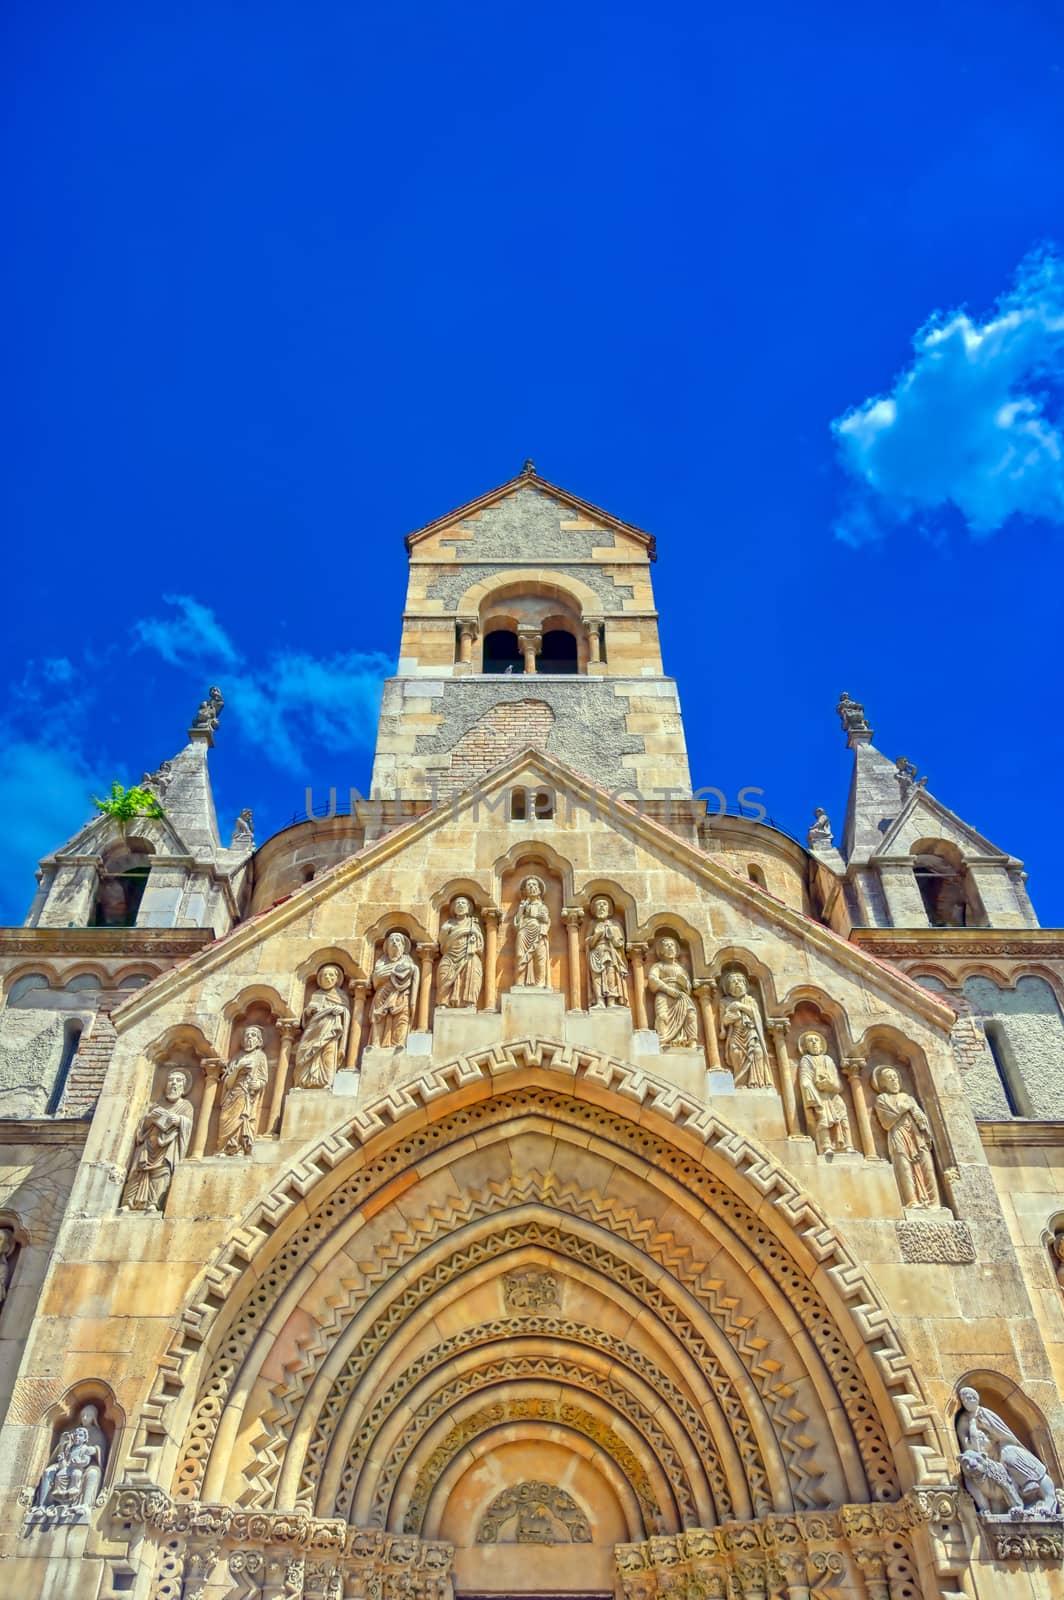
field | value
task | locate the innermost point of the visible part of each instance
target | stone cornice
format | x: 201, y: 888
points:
x: 1022, y: 1132
x: 43, y: 1130
x: 173, y: 943
x: 911, y: 943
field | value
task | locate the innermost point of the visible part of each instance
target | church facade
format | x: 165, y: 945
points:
x: 532, y: 1180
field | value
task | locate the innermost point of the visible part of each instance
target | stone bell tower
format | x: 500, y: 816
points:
x: 528, y: 582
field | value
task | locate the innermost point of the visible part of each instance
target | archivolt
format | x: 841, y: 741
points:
x: 675, y: 1145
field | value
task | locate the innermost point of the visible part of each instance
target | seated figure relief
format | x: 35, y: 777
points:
x: 395, y: 988
x: 71, y: 1481
x: 607, y: 965
x: 326, y: 1019
x: 821, y: 1091
x: 532, y: 936
x: 743, y: 1029
x: 1000, y: 1473
x: 243, y: 1085
x: 675, y: 1015
x: 160, y: 1142
x: 909, y: 1140
x: 460, y: 973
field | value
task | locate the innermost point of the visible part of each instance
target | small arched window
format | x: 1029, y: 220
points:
x: 518, y: 805
x: 72, y: 1030
x: 543, y: 805
x: 1012, y: 1084
x: 558, y: 653
x: 945, y: 886
x: 502, y: 652
x: 123, y: 877
x: 755, y: 874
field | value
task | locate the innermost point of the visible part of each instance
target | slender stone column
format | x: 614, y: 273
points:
x: 213, y: 1067
x: 638, y: 955
x: 491, y: 916
x: 778, y: 1028
x: 358, y: 989
x: 287, y: 1027
x: 467, y: 633
x: 705, y: 993
x: 854, y: 1067
x: 594, y: 640
x: 425, y: 953
x: 573, y: 916
x: 531, y: 642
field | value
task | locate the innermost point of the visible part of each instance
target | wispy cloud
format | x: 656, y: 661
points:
x: 292, y: 702
x: 194, y: 635
x: 970, y: 423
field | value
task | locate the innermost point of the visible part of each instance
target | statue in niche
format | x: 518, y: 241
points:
x: 822, y: 1097
x: 243, y: 1084
x: 8, y: 1251
x: 743, y: 1031
x: 325, y: 1023
x: 161, y: 1141
x: 909, y: 1139
x: 71, y: 1481
x: 395, y: 987
x: 675, y: 1016
x: 606, y: 963
x: 996, y: 1467
x: 243, y: 831
x: 460, y: 973
x: 209, y: 710
x: 532, y: 936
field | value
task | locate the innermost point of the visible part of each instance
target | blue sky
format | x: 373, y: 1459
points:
x: 776, y: 282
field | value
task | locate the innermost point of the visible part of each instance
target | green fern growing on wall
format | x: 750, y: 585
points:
x: 125, y: 804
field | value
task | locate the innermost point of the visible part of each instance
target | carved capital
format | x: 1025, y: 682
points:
x: 213, y: 1067
x: 639, y: 951
x: 426, y: 950
x: 572, y: 916
x: 468, y: 627
x: 288, y: 1027
x: 491, y: 913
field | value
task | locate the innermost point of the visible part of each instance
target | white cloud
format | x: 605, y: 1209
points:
x: 970, y: 423
x: 194, y: 635
x: 301, y: 700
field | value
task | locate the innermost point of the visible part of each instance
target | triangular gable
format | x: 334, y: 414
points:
x: 532, y: 480
x: 922, y: 817
x: 96, y: 836
x: 539, y: 769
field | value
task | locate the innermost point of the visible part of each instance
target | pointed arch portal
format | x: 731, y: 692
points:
x: 538, y: 1297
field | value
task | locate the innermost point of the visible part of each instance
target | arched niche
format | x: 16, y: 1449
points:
x: 884, y: 1045
x: 121, y: 881
x: 29, y: 989
x: 89, y: 1404
x: 946, y: 887
x: 692, y: 938
x: 519, y: 865
x: 1015, y: 1408
x: 182, y: 1048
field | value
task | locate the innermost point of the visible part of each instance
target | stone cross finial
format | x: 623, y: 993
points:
x: 853, y: 719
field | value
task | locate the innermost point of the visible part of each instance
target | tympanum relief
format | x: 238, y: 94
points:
x: 909, y: 1141
x: 395, y: 987
x: 243, y: 1085
x: 530, y: 1289
x: 532, y: 936
x: 607, y: 966
x: 71, y: 1481
x: 743, y: 1033
x: 460, y: 973
x: 821, y: 1091
x: 675, y: 1015
x: 999, y: 1472
x: 326, y: 1019
x: 534, y: 1513
x: 160, y: 1142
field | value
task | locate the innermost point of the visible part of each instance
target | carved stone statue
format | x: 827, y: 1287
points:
x: 326, y: 1019
x: 909, y: 1139
x: 822, y: 1097
x: 243, y: 831
x: 675, y: 1015
x: 852, y: 715
x: 460, y: 973
x: 209, y: 710
x: 243, y: 1084
x: 395, y: 986
x: 158, y: 781
x: 161, y: 1141
x: 8, y: 1249
x: 532, y: 935
x: 999, y: 1472
x: 607, y: 965
x: 743, y: 1032
x: 71, y: 1481
x: 819, y: 834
